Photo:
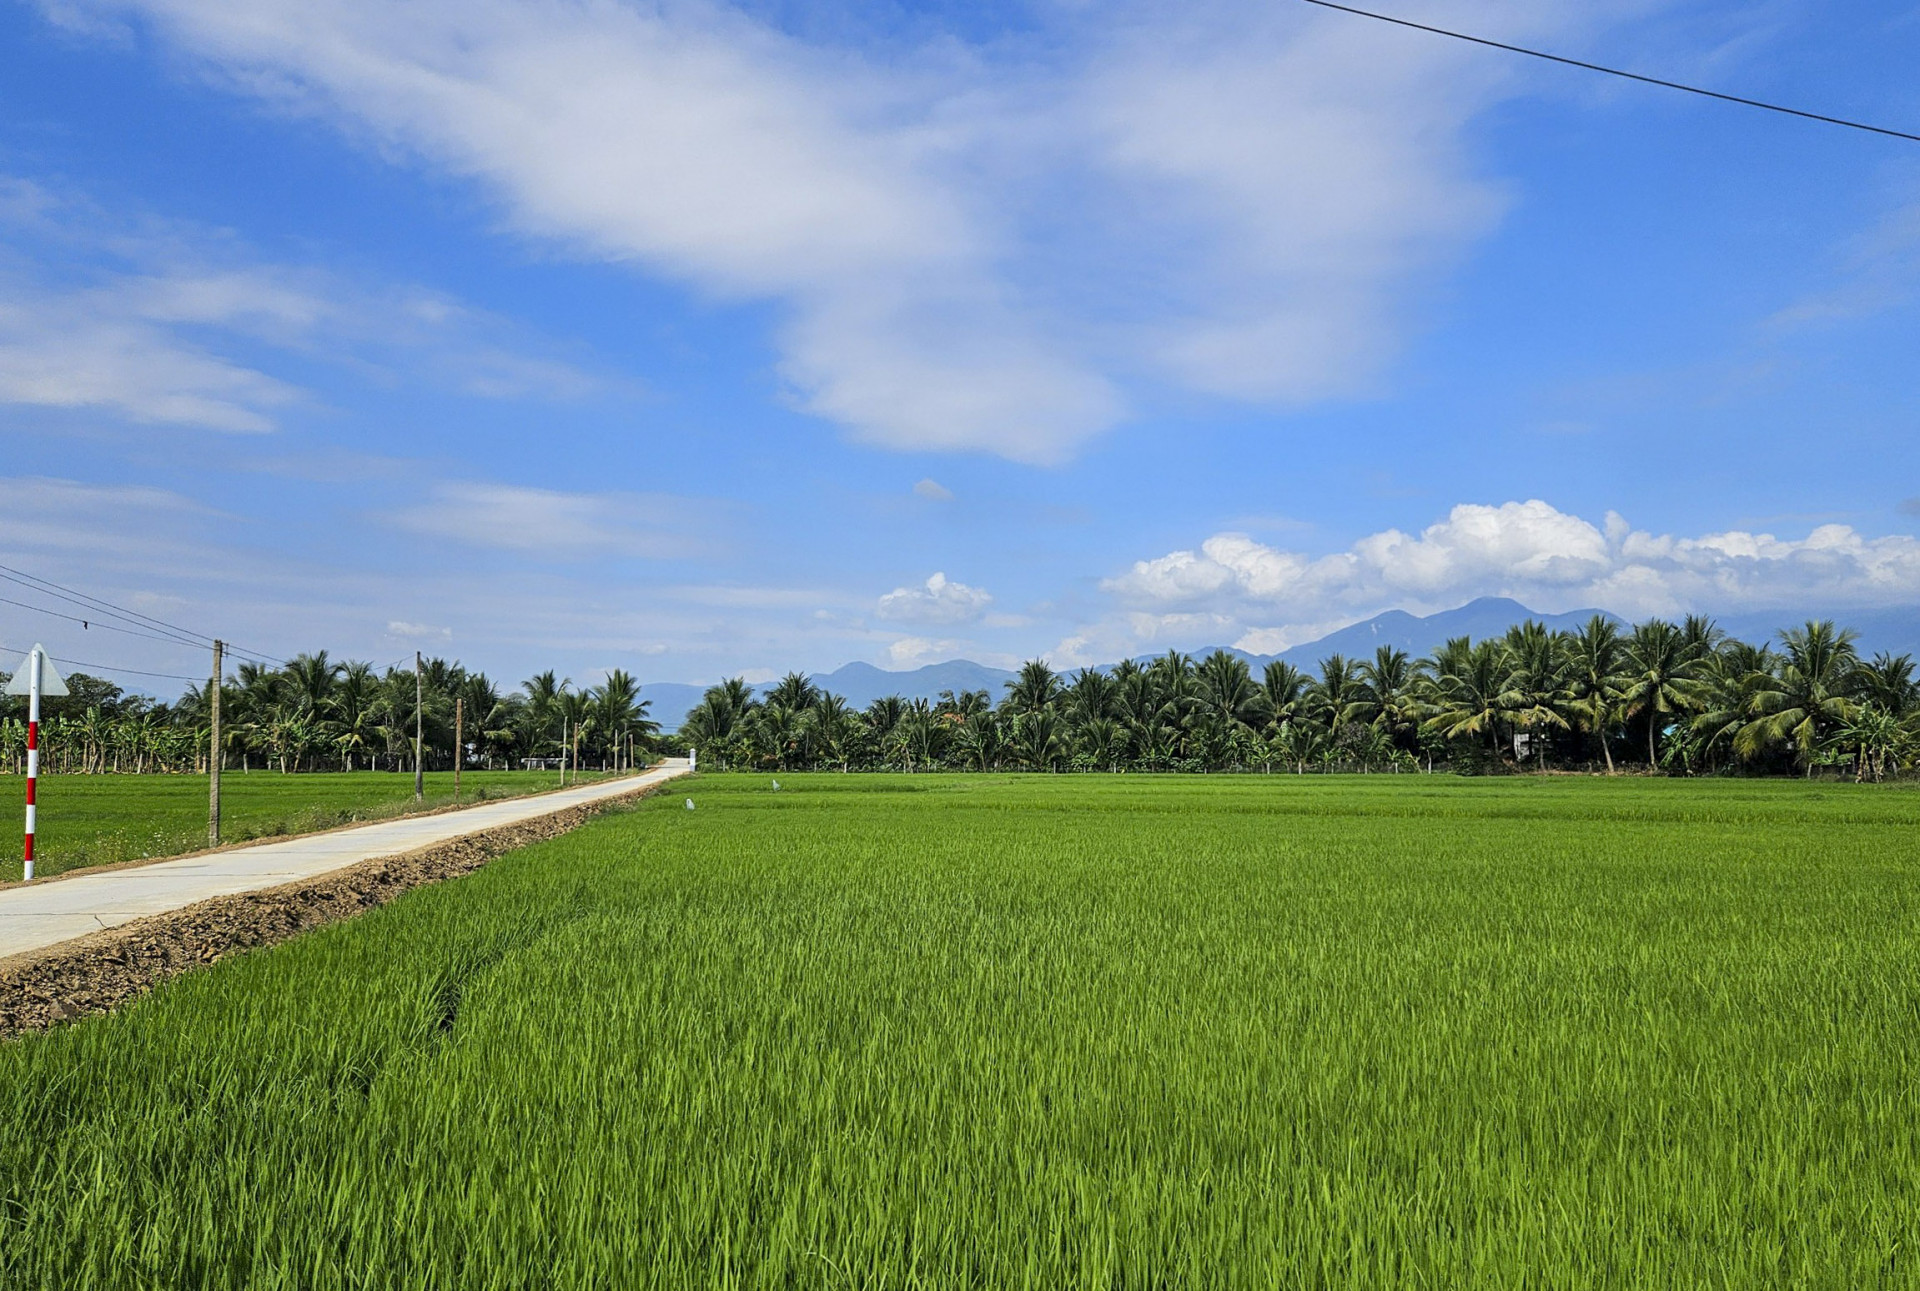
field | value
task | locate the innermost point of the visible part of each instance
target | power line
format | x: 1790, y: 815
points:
x: 1614, y: 71
x: 184, y: 636
x: 73, y: 596
x: 94, y: 612
x: 106, y: 667
x: 137, y: 672
x: 90, y: 624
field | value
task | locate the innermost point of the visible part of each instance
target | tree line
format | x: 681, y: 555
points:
x: 1671, y: 697
x: 319, y: 714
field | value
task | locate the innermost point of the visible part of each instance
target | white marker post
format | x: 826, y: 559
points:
x: 34, y: 677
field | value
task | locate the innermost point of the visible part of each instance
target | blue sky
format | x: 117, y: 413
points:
x: 694, y: 339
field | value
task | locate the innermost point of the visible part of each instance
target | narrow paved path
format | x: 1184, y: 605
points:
x: 38, y: 915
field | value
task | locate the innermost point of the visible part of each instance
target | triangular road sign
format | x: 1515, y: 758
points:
x: 52, y: 685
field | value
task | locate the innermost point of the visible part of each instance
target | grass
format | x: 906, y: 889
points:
x: 1038, y: 1032
x: 106, y: 819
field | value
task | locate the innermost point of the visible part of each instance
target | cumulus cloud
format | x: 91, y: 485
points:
x: 1531, y: 551
x: 983, y: 248
x: 939, y: 600
x: 915, y: 652
x: 509, y: 517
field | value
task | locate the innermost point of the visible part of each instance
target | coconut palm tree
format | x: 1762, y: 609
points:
x: 920, y: 735
x: 1335, y: 695
x: 579, y: 718
x: 1890, y: 683
x: 619, y: 711
x: 1594, y: 668
x: 1227, y: 692
x: 1090, y: 697
x: 542, y: 721
x: 716, y: 726
x: 1175, y: 692
x: 1299, y: 742
x: 1038, y: 740
x: 353, y: 707
x: 1663, y: 666
x: 1284, y: 688
x: 1036, y: 687
x: 309, y: 682
x: 964, y: 704
x: 1807, y: 697
x: 1728, y: 679
x: 1533, y: 684
x: 794, y: 692
x: 882, y: 716
x: 1387, y: 695
x: 778, y: 732
x: 981, y: 739
x: 834, y: 727
x: 1104, y: 741
x: 1465, y: 681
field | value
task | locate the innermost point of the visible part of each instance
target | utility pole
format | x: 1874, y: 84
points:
x: 563, y: 752
x: 214, y: 757
x: 419, y: 726
x: 459, y: 749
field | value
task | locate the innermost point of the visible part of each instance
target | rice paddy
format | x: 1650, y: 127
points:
x: 1038, y: 1032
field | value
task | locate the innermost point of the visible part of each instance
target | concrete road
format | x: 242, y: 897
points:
x: 37, y: 915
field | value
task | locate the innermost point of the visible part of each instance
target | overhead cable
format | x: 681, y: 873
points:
x: 177, y: 634
x: 107, y: 667
x: 1614, y: 71
x: 185, y: 636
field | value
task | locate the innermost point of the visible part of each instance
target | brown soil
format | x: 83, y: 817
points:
x: 97, y: 973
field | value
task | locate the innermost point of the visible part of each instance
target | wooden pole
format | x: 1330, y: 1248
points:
x: 459, y: 749
x: 215, y: 754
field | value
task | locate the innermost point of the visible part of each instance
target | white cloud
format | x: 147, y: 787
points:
x: 515, y: 518
x: 1531, y: 551
x: 263, y: 581
x: 933, y: 491
x: 142, y: 320
x: 418, y: 631
x: 97, y: 350
x: 981, y: 247
x: 66, y: 517
x: 939, y: 600
x: 915, y: 652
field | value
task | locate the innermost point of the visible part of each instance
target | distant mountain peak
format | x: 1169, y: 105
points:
x: 1419, y: 635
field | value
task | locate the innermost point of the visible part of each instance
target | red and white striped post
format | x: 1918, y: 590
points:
x: 33, y: 752
x: 40, y: 679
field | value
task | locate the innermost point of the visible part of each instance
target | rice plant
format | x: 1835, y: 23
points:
x: 1042, y: 1032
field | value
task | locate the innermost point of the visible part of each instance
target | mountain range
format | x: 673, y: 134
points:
x: 1896, y: 630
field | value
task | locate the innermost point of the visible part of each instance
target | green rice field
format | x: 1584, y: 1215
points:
x: 107, y: 819
x: 984, y: 1031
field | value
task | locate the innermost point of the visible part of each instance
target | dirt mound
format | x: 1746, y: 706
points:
x: 97, y: 973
